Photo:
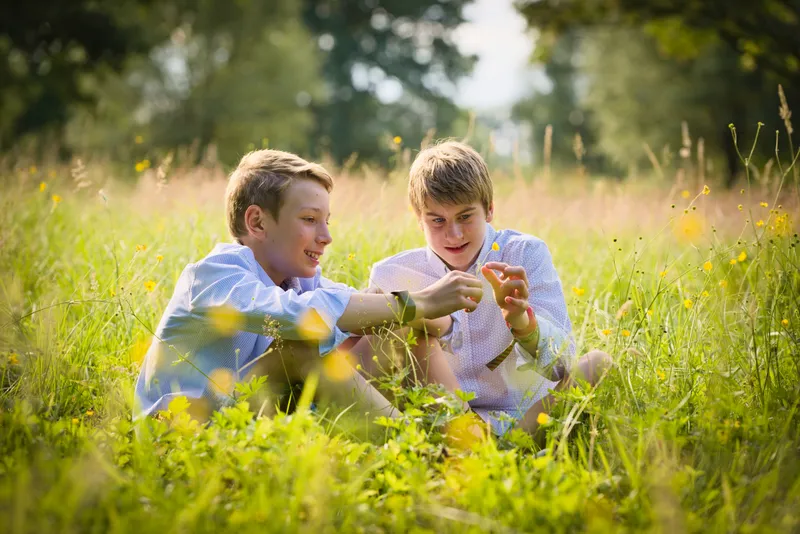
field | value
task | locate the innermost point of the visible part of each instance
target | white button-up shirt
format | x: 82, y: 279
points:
x: 230, y: 285
x: 478, y: 337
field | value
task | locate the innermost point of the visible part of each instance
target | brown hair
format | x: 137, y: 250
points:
x: 449, y: 173
x: 261, y: 178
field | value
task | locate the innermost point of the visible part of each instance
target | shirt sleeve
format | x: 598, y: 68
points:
x: 556, y: 348
x: 225, y: 282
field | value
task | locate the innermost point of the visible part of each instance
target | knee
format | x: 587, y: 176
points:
x: 596, y: 362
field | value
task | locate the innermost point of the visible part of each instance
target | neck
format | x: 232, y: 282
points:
x: 277, y: 277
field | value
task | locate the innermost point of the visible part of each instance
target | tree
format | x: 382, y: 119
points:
x: 651, y: 65
x: 51, y: 47
x: 374, y: 47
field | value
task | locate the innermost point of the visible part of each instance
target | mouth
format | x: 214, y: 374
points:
x: 457, y: 250
x: 313, y: 255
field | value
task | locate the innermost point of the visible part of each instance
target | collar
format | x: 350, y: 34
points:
x: 441, y: 267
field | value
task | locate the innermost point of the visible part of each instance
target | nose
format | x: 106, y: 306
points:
x: 324, y: 237
x: 454, y: 232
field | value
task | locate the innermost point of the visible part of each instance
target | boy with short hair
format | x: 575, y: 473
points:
x: 228, y: 308
x: 489, y: 350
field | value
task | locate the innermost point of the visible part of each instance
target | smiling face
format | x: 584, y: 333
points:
x: 292, y: 245
x: 455, y: 232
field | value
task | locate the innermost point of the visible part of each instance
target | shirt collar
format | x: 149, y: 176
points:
x: 440, y: 266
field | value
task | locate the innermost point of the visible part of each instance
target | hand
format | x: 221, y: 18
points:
x: 454, y: 291
x: 510, y: 292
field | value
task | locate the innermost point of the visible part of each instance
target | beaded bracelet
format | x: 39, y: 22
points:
x: 530, y: 335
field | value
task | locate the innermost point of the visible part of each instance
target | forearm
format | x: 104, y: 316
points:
x: 365, y: 312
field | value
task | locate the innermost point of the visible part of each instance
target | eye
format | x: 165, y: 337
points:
x: 311, y: 220
x: 438, y: 220
x: 466, y: 216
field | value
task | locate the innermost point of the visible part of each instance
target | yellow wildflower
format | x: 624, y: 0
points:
x: 742, y: 256
x: 139, y: 167
x: 707, y: 266
x: 763, y: 204
x: 42, y: 186
x: 688, y: 304
x: 649, y: 312
x: 661, y: 375
x: 626, y: 333
x: 685, y: 193
x: 542, y: 418
x: 785, y: 322
x: 495, y: 247
x: 397, y: 139
x: 56, y: 199
x: 13, y: 360
x: 138, y: 139
x: 733, y: 261
x: 149, y: 285
x: 740, y: 207
x: 111, y: 292
x: 351, y: 256
x: 760, y: 223
x: 723, y: 284
x: 89, y: 413
x: 141, y: 248
x: 704, y: 294
x: 75, y: 421
x: 606, y: 331
x: 663, y: 273
x: 706, y: 190
x: 579, y: 291
x: 159, y: 258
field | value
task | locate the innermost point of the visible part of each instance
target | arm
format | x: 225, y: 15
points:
x: 544, y: 335
x: 249, y: 302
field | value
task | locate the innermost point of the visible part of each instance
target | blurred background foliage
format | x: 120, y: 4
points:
x: 634, y: 85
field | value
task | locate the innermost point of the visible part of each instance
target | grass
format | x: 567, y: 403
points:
x: 695, y: 429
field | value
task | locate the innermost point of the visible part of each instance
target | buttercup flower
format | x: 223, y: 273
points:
x: 707, y: 266
x: 706, y: 190
x: 742, y: 256
x: 495, y: 247
x: 688, y: 304
x: 542, y: 418
x: 149, y: 285
x: 579, y: 291
x: 42, y: 186
x: 56, y: 199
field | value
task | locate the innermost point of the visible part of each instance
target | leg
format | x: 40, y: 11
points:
x: 295, y: 360
x: 591, y: 367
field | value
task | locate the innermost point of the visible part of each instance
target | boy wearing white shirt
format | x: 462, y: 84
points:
x: 513, y: 349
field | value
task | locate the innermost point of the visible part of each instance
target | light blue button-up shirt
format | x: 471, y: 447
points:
x: 228, y: 288
x: 478, y: 337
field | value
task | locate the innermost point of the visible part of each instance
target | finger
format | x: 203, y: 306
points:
x: 516, y: 272
x: 516, y: 285
x: 519, y: 303
x: 491, y: 277
x: 470, y: 280
x: 496, y: 265
x: 469, y: 304
x: 475, y: 293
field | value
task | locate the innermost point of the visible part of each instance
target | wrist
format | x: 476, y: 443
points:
x: 422, y: 305
x: 527, y: 328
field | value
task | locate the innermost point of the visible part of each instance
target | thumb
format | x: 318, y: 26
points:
x: 491, y: 277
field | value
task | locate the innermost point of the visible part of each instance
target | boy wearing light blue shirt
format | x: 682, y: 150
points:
x: 261, y: 305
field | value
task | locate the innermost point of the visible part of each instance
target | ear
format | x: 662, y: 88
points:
x: 256, y: 221
x: 490, y: 213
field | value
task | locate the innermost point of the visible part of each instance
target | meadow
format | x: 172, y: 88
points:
x: 693, y: 289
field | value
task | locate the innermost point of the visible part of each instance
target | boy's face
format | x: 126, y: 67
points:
x: 455, y: 232
x: 292, y: 245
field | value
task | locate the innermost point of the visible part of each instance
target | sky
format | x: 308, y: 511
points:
x: 496, y: 33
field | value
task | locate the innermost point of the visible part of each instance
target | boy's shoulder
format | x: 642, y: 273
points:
x: 515, y: 240
x: 414, y: 256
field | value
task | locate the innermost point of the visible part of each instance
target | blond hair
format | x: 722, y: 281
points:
x: 261, y: 178
x: 449, y: 173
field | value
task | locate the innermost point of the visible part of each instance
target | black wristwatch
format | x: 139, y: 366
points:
x: 407, y: 306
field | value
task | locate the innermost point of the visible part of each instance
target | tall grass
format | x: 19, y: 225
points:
x: 695, y: 295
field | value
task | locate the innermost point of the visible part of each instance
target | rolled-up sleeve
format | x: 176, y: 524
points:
x: 225, y: 282
x: 556, y: 346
